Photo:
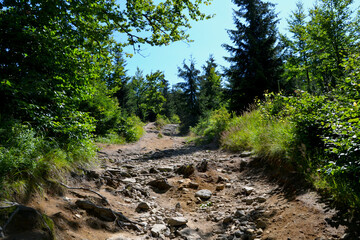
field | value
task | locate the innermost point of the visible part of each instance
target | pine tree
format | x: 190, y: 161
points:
x: 210, y: 96
x: 190, y: 90
x: 255, y: 62
x: 154, y: 98
x: 137, y: 94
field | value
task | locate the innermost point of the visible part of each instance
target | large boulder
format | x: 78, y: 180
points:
x: 22, y: 222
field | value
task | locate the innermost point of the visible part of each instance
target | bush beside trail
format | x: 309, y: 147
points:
x: 317, y: 136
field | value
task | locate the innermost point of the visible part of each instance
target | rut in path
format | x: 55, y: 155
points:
x: 153, y: 189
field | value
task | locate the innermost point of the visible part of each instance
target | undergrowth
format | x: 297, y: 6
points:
x: 211, y: 126
x: 162, y: 120
x: 316, y: 136
x: 27, y: 161
x: 128, y: 130
x: 265, y: 137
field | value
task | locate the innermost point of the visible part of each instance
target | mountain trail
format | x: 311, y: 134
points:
x: 163, y: 188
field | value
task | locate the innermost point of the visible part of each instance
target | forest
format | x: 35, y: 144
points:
x: 293, y: 99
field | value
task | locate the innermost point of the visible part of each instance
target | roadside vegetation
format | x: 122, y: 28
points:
x: 312, y: 125
x: 64, y: 86
x: 291, y: 100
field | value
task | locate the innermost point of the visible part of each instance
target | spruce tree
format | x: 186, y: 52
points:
x: 255, y: 62
x: 210, y: 96
x: 190, y: 92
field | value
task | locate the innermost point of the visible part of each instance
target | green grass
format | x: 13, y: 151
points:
x: 268, y: 139
x: 111, y: 138
x: 28, y: 161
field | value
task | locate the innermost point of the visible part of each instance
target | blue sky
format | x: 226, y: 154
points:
x: 208, y: 37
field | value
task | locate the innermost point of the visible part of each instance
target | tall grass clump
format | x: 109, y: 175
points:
x: 267, y: 138
x: 28, y: 161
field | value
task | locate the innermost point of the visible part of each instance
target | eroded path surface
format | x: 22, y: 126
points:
x: 152, y: 189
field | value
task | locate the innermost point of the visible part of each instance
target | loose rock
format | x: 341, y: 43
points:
x: 177, y: 221
x: 160, y: 185
x: 189, y: 234
x: 202, y: 166
x: 143, y: 207
x: 186, y: 170
x: 203, y: 194
x: 193, y: 185
x: 158, y: 229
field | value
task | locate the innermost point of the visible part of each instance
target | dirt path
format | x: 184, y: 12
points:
x: 154, y: 183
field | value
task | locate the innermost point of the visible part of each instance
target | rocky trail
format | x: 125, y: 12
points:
x: 163, y: 188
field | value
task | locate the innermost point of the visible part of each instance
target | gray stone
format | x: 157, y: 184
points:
x: 189, y: 234
x: 248, y: 190
x: 193, y: 185
x: 176, y: 221
x: 143, y: 207
x: 204, y: 194
x: 158, y: 229
x: 239, y: 213
x: 249, y: 201
x: 160, y: 185
x: 129, y: 180
x: 246, y: 154
x: 238, y: 233
x: 185, y: 170
x: 120, y: 237
x: 165, y: 169
x: 227, y: 220
x: 202, y: 166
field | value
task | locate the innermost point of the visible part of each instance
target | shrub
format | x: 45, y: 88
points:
x: 325, y: 135
x: 27, y: 160
x: 161, y: 121
x: 212, y: 125
x: 175, y: 119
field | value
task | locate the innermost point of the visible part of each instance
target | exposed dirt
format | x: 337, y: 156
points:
x: 246, y: 202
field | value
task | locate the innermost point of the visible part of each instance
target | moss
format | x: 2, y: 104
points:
x: 5, y: 213
x: 49, y: 226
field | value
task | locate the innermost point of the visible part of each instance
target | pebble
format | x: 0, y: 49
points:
x: 220, y: 187
x: 248, y: 190
x: 193, y: 185
x: 129, y: 180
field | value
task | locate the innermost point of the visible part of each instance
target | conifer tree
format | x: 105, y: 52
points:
x: 210, y: 96
x: 190, y: 92
x: 255, y: 62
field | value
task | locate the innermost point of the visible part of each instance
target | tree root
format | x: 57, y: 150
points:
x: 86, y: 189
